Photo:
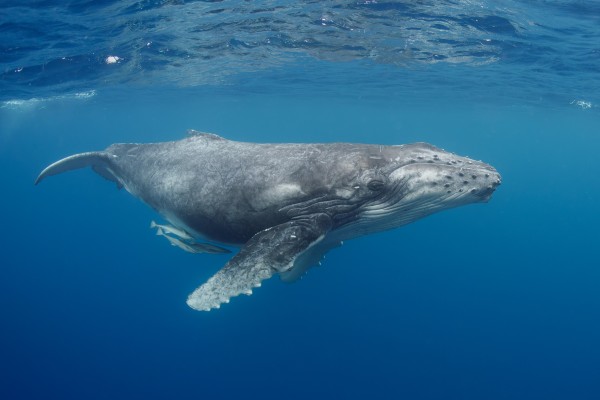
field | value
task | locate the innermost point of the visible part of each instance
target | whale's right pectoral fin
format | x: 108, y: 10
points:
x: 98, y: 160
x: 273, y: 250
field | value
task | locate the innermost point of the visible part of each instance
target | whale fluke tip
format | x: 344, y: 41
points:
x: 97, y: 159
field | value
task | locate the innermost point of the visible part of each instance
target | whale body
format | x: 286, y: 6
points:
x: 284, y: 204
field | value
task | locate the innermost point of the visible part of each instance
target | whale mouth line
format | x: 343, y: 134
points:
x: 486, y: 193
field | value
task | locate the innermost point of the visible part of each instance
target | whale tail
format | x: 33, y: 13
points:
x: 100, y: 162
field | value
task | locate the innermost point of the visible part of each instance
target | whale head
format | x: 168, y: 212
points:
x: 408, y: 182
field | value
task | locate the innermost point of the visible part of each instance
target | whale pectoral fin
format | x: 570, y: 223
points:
x: 272, y: 250
x: 309, y: 258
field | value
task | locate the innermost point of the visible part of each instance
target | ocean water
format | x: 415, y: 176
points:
x: 487, y: 301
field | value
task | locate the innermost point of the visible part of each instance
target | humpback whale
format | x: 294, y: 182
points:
x: 284, y: 204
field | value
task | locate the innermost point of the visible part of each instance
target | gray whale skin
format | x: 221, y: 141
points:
x: 284, y: 205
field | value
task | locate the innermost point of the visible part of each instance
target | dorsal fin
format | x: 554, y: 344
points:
x: 207, y: 135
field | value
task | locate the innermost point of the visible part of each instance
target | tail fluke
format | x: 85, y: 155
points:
x: 98, y: 160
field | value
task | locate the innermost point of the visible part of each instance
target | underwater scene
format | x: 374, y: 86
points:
x: 300, y: 200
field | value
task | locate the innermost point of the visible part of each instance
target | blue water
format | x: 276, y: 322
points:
x: 487, y: 301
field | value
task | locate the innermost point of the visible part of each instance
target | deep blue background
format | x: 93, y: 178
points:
x: 494, y: 300
x: 488, y: 301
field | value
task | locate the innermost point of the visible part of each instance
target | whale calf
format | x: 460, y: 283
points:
x: 284, y: 204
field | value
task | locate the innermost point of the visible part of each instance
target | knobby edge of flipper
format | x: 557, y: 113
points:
x: 277, y: 249
x: 98, y: 160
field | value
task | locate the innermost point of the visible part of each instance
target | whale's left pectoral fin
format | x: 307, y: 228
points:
x: 273, y: 250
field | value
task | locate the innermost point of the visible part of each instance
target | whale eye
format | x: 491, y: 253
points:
x: 375, y: 185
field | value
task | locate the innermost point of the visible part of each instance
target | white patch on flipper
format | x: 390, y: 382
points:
x: 233, y: 280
